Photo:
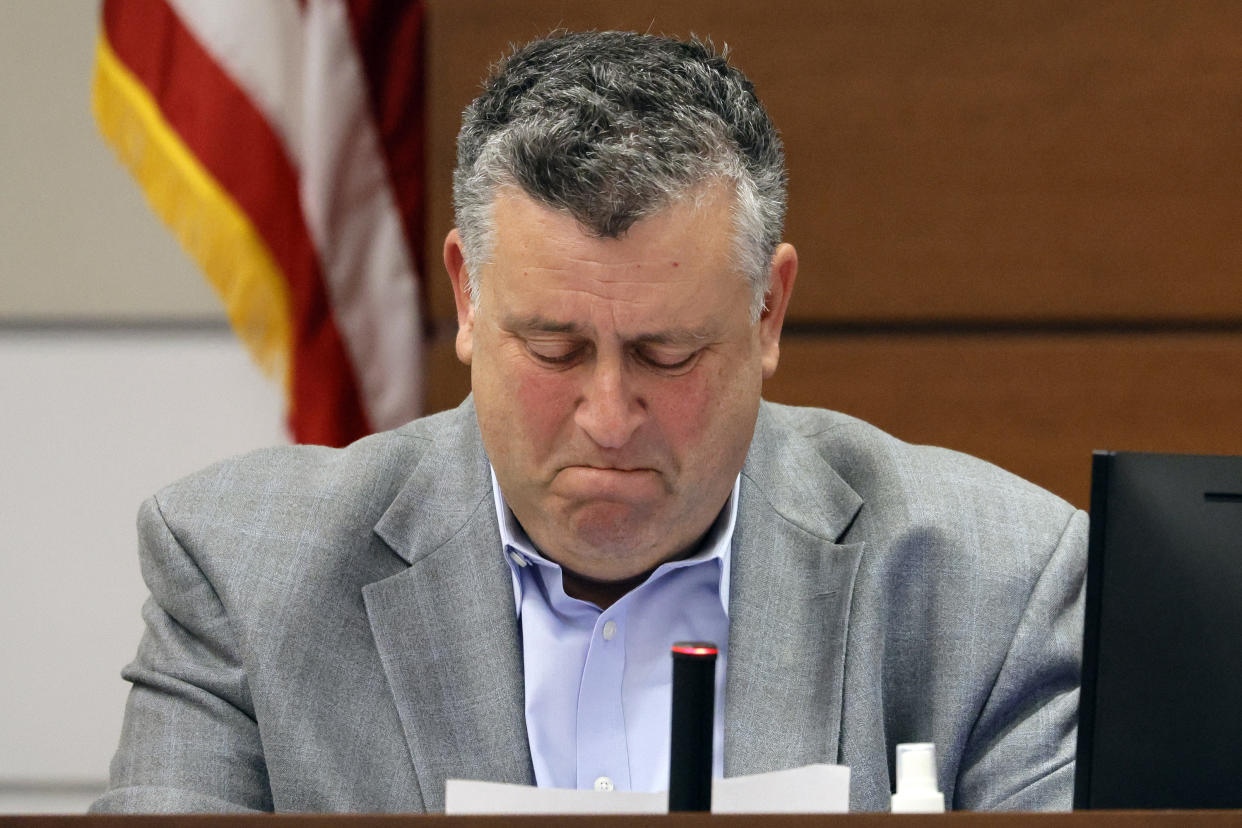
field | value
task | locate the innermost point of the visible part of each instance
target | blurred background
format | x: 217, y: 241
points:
x: 1018, y: 227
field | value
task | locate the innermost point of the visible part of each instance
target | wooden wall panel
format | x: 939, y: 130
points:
x: 449, y: 379
x: 1037, y: 405
x: 950, y: 159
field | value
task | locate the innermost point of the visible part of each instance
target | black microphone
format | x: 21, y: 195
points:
x: 694, y: 707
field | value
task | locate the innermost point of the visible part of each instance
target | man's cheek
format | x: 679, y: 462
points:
x: 686, y: 407
x: 545, y: 400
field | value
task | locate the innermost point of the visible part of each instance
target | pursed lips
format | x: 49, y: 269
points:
x: 609, y: 476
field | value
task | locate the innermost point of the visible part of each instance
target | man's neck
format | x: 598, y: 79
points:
x: 602, y: 594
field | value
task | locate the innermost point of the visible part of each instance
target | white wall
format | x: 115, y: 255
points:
x: 117, y: 375
x: 94, y: 421
x: 77, y: 238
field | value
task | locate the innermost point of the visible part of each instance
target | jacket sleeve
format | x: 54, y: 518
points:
x: 189, y: 742
x: 1020, y: 753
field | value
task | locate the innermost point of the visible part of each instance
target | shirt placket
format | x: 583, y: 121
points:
x: 602, y: 748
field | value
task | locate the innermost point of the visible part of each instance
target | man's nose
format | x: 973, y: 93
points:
x: 610, y: 410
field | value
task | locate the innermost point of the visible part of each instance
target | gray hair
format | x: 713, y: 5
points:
x: 613, y: 127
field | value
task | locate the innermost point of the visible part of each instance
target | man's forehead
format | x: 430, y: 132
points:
x: 708, y: 203
x: 661, y: 281
x: 697, y: 229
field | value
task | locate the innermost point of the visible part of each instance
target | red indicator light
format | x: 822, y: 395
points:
x: 694, y: 649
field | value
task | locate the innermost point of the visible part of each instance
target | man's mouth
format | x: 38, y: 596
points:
x: 623, y: 482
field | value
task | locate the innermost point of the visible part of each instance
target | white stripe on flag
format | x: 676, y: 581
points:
x: 304, y: 73
x: 260, y: 46
x: 354, y: 220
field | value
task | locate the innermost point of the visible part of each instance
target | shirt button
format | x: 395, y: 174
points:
x: 610, y: 629
x: 603, y: 783
x: 517, y: 558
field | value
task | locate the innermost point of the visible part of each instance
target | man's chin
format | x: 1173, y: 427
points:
x: 609, y: 526
x: 608, y: 541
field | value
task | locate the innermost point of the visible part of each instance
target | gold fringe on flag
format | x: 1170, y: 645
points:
x: 210, y: 224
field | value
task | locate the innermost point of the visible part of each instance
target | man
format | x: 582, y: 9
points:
x: 491, y: 592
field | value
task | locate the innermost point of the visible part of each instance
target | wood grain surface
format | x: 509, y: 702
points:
x: 1078, y: 819
x: 953, y: 159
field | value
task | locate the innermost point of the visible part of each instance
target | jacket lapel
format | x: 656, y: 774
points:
x: 790, y: 590
x: 445, y: 627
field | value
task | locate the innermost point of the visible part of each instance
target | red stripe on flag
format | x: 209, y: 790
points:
x: 389, y: 38
x: 237, y: 145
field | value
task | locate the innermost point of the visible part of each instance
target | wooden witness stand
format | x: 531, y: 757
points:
x: 1078, y: 819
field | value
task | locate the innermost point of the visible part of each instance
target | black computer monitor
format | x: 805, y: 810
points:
x: 1160, y: 715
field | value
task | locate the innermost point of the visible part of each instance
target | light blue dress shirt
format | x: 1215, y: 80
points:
x: 598, y: 683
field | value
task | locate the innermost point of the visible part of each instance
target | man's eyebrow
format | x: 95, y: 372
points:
x: 539, y: 324
x: 675, y: 336
x: 536, y: 323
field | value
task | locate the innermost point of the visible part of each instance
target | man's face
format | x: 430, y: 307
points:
x: 616, y: 381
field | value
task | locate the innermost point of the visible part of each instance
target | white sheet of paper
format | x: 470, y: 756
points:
x: 464, y: 796
x: 814, y: 789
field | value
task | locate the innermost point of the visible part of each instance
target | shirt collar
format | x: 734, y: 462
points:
x: 520, y: 552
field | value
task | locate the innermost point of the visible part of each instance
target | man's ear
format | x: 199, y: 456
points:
x: 455, y: 264
x: 781, y: 276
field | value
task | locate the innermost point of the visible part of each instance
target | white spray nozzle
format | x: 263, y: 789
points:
x: 916, y: 780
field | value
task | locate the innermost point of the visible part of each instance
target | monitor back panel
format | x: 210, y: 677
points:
x: 1161, y: 707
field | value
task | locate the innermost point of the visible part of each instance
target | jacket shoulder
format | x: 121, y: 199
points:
x: 910, y: 488
x: 306, y: 474
x: 870, y: 457
x: 310, y: 506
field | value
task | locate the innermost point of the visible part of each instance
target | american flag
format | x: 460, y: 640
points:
x: 282, y: 142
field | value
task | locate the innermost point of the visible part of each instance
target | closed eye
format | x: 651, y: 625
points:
x: 672, y: 360
x: 554, y: 353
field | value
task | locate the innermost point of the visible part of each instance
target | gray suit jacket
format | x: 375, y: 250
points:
x: 333, y: 630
